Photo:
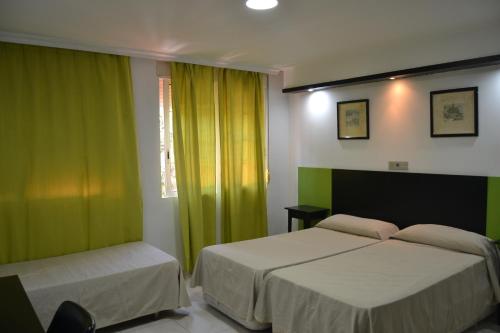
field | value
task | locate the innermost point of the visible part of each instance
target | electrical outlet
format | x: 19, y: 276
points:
x: 398, y: 165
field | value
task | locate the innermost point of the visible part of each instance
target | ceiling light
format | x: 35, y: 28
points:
x: 392, y: 78
x: 261, y: 4
x: 310, y: 89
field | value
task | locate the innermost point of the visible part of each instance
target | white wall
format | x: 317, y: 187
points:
x: 278, y: 194
x: 399, y: 127
x: 160, y: 215
x: 430, y: 49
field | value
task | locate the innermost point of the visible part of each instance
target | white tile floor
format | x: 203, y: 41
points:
x: 202, y: 318
x: 199, y: 318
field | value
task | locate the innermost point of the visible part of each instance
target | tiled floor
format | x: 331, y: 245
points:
x: 201, y: 318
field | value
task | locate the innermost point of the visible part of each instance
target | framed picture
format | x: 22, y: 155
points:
x: 353, y: 120
x: 454, y: 112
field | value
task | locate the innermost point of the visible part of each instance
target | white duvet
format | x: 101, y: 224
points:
x: 389, y: 287
x: 115, y: 284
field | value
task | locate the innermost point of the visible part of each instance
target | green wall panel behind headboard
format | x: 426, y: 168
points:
x: 493, y: 210
x: 315, y: 187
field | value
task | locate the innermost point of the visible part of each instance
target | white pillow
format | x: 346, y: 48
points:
x: 445, y: 237
x: 359, y: 226
x: 458, y: 240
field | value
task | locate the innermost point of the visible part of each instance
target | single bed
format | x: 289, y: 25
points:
x: 115, y: 284
x: 231, y: 274
x: 390, y: 287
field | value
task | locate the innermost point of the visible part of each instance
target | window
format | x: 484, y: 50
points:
x: 167, y: 161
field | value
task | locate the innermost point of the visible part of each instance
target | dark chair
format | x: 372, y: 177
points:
x: 72, y: 318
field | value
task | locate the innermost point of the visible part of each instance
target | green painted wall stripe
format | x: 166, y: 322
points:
x: 493, y: 208
x: 315, y: 187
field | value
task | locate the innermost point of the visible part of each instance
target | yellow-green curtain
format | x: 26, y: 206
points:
x: 243, y: 163
x: 194, y: 146
x: 69, y: 177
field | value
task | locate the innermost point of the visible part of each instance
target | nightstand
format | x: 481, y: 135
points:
x: 307, y: 214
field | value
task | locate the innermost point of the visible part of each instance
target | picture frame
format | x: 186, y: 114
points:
x: 454, y: 112
x: 353, y: 120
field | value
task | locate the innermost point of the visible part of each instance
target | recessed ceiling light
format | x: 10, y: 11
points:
x: 310, y: 89
x: 261, y: 4
x: 392, y: 78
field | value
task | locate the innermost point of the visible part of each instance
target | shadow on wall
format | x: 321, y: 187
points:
x: 354, y: 144
x: 174, y: 204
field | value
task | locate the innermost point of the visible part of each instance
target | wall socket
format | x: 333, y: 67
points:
x: 398, y: 165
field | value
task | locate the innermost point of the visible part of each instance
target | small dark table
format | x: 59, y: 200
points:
x: 16, y: 312
x: 306, y: 213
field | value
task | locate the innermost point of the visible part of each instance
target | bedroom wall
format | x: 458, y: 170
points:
x: 399, y: 127
x: 278, y: 191
x: 472, y: 42
x: 161, y: 227
x: 160, y: 215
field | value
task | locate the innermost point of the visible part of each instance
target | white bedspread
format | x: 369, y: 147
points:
x: 115, y: 284
x: 390, y: 287
x: 232, y: 274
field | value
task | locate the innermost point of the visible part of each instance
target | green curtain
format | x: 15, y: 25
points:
x: 194, y: 146
x: 243, y: 163
x: 69, y: 177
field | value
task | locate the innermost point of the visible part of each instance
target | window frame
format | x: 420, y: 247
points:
x: 170, y: 188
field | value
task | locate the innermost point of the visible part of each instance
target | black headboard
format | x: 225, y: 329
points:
x: 406, y: 199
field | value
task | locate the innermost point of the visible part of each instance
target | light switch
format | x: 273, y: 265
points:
x: 398, y: 165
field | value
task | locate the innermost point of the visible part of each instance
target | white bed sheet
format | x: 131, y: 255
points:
x: 231, y: 274
x: 115, y: 284
x: 390, y: 287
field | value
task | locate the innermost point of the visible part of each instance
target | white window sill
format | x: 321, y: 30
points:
x: 170, y: 195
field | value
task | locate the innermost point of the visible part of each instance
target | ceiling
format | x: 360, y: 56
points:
x: 225, y: 32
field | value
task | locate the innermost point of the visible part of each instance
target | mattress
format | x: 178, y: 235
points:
x: 231, y: 275
x: 393, y: 286
x: 114, y: 284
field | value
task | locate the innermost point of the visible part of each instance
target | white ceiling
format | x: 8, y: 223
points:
x: 225, y: 32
